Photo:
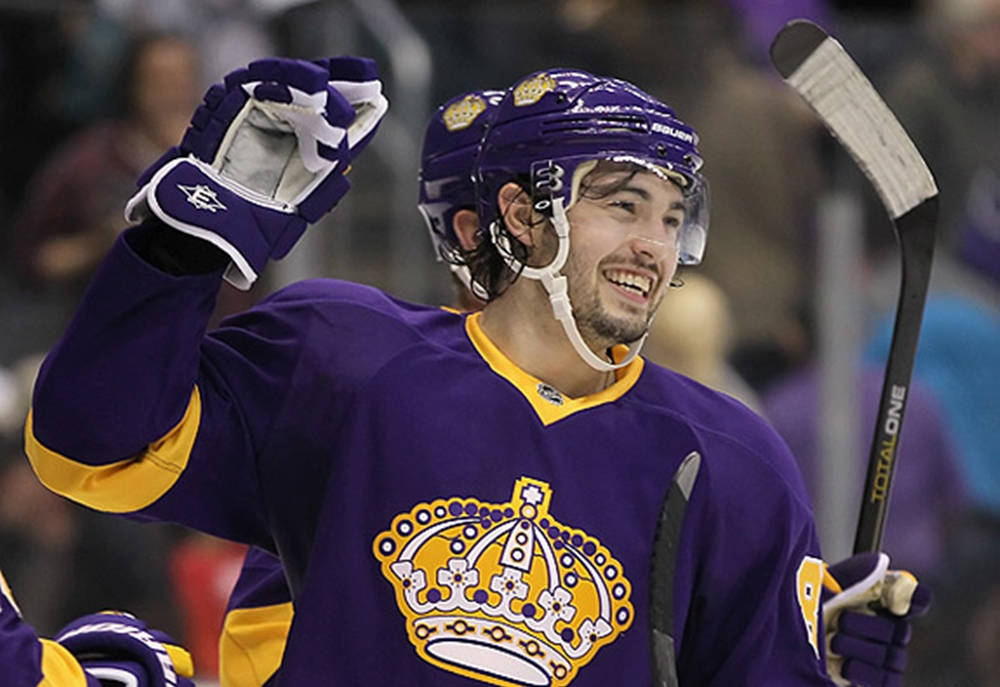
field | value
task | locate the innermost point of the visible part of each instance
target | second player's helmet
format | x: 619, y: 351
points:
x: 548, y: 131
x: 451, y: 142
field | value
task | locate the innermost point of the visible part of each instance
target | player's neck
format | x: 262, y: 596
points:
x: 523, y: 327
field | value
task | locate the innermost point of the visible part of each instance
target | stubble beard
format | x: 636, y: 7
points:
x: 599, y: 328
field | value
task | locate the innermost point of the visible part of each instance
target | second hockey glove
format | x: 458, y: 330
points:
x: 265, y: 155
x: 868, y: 621
x: 121, y: 651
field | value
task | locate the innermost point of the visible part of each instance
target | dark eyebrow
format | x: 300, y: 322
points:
x: 644, y: 195
x: 641, y: 192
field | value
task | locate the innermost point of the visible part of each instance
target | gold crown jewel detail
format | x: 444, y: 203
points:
x: 461, y: 114
x: 502, y: 592
x: 530, y: 91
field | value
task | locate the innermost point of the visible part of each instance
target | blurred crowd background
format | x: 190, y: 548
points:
x: 791, y: 311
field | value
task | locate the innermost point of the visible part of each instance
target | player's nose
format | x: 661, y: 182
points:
x: 648, y: 247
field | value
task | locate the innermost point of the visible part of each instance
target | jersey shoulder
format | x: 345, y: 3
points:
x: 732, y: 436
x: 332, y: 306
x: 345, y: 327
x: 330, y: 295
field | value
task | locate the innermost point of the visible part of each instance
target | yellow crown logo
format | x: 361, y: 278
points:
x: 531, y: 91
x: 461, y: 114
x: 502, y: 592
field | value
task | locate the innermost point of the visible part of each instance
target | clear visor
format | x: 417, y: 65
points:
x: 434, y: 218
x: 692, y: 234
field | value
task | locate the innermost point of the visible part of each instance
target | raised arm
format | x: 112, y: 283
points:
x: 135, y: 410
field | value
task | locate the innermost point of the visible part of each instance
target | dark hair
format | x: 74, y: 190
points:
x: 485, y: 263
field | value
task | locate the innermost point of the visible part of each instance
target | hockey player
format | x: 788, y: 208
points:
x: 98, y: 650
x: 454, y: 498
x: 260, y: 610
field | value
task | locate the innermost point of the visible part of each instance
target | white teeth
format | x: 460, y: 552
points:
x: 637, y: 282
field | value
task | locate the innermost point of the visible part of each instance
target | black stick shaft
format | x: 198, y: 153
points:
x: 916, y: 240
x: 663, y: 568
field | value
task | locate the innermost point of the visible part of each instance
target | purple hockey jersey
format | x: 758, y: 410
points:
x: 443, y: 517
x: 255, y: 629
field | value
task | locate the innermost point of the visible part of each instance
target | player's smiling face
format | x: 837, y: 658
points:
x: 623, y: 254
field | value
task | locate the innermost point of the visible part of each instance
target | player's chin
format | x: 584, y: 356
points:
x: 619, y: 327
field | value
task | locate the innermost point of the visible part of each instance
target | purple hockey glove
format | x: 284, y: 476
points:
x: 868, y: 621
x: 265, y: 155
x: 120, y: 651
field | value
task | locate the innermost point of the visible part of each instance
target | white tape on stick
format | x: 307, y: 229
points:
x: 831, y: 82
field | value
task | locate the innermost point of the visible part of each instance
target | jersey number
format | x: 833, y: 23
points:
x: 808, y: 586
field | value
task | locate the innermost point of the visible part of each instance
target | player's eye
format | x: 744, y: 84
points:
x: 626, y: 205
x: 672, y: 227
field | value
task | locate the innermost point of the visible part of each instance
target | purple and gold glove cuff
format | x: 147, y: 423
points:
x: 116, y: 637
x: 186, y: 195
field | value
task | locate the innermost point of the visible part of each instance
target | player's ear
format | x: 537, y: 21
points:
x: 515, y: 208
x: 466, y: 224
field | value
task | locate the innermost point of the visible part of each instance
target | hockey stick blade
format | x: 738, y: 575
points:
x: 826, y: 77
x: 831, y: 83
x: 663, y: 568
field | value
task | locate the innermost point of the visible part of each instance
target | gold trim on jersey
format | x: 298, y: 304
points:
x: 549, y: 404
x: 252, y: 643
x: 59, y: 667
x: 125, y: 485
x: 809, y: 580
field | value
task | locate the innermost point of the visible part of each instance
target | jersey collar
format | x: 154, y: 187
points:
x: 549, y: 404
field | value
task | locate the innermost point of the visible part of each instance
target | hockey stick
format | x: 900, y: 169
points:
x: 661, y: 576
x: 822, y: 72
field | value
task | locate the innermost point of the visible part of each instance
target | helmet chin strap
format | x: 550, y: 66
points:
x: 556, y: 286
x: 465, y: 276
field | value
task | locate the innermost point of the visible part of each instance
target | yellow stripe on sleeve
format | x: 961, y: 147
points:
x: 59, y: 667
x: 126, y: 485
x: 252, y: 644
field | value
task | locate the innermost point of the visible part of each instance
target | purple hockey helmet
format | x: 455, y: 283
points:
x: 451, y: 142
x: 552, y: 122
